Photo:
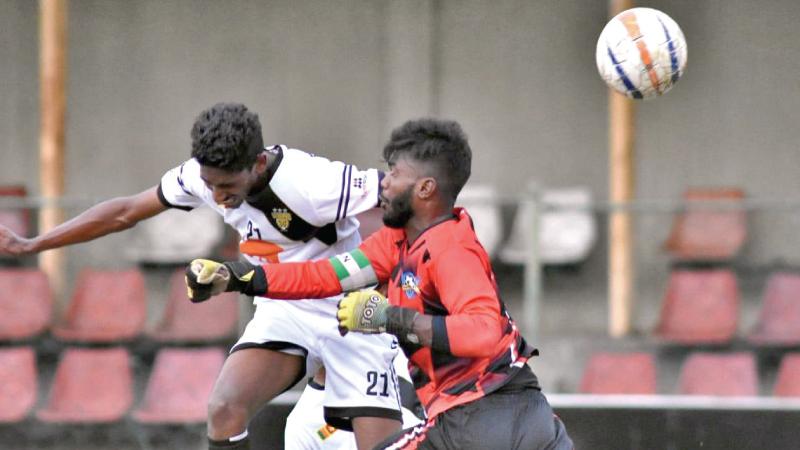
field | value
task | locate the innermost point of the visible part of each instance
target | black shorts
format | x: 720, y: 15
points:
x: 506, y: 419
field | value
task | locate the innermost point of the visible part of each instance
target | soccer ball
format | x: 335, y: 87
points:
x: 641, y: 53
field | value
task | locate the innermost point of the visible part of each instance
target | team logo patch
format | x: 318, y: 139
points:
x: 282, y: 218
x: 409, y: 283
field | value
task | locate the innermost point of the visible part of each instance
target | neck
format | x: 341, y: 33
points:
x: 263, y: 179
x: 421, y: 222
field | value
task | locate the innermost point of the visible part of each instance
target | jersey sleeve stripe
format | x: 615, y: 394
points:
x: 341, y: 195
x: 353, y: 270
x: 180, y: 181
x: 347, y: 197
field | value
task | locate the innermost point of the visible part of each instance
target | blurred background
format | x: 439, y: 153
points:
x: 335, y: 77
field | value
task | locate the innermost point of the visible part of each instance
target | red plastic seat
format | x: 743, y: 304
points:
x: 107, y: 306
x: 787, y: 383
x: 16, y: 219
x: 705, y: 231
x: 90, y: 385
x: 619, y: 373
x: 184, y: 321
x: 179, y: 386
x: 779, y: 319
x: 26, y: 303
x: 17, y: 383
x: 700, y: 307
x: 727, y: 375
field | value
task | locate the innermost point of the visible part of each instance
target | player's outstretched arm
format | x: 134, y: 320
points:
x: 110, y: 216
x: 311, y: 279
x: 288, y: 281
x: 348, y: 271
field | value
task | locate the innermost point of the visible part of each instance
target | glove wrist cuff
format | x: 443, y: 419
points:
x: 258, y: 284
x: 242, y: 281
x: 400, y: 322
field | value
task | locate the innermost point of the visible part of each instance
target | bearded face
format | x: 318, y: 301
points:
x: 397, y: 211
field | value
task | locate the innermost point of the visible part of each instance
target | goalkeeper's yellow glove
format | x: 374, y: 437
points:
x: 363, y: 311
x: 369, y: 312
x: 206, y: 278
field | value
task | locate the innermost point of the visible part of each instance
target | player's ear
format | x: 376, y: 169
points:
x: 426, y: 187
x: 261, y: 163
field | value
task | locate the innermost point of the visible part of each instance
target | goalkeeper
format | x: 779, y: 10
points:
x: 473, y: 378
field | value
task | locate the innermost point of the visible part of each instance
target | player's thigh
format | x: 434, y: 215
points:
x: 253, y: 376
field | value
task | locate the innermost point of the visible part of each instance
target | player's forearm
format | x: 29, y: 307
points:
x: 310, y: 279
x: 102, y: 219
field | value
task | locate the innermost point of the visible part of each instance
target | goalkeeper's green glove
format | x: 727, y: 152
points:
x: 206, y: 278
x: 369, y: 312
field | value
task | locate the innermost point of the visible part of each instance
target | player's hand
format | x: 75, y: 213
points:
x: 206, y: 278
x: 13, y: 244
x: 362, y: 311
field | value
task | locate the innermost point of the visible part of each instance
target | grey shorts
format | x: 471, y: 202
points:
x: 514, y: 419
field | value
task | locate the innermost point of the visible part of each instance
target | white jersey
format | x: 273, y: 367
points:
x: 307, y: 212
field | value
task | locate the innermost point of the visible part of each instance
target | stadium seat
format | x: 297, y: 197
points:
x: 567, y: 228
x: 717, y: 374
x: 699, y: 307
x: 787, y: 383
x: 188, y: 322
x: 711, y: 228
x: 26, y: 303
x: 176, y: 237
x: 779, y: 319
x: 482, y: 204
x: 619, y: 373
x: 18, y: 383
x: 179, y: 386
x: 16, y: 219
x: 106, y: 306
x: 90, y: 386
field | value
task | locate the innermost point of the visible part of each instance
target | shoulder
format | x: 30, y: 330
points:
x: 455, y: 237
x: 294, y: 157
x: 298, y: 167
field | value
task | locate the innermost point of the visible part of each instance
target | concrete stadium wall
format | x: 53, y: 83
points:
x: 336, y: 77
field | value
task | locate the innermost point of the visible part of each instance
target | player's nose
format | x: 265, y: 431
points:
x: 385, y: 182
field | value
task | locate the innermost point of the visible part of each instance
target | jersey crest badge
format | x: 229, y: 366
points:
x: 282, y: 218
x: 409, y: 283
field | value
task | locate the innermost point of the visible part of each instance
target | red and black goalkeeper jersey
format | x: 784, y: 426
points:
x: 445, y: 273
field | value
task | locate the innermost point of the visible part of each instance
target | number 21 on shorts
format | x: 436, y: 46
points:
x: 378, y: 383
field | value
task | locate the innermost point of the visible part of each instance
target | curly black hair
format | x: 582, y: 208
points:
x: 227, y: 136
x: 441, y: 144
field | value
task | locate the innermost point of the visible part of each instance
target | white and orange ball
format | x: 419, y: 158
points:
x: 641, y: 53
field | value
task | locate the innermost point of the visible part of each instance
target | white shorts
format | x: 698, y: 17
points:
x: 359, y: 368
x: 306, y: 428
